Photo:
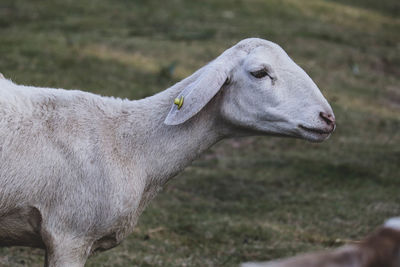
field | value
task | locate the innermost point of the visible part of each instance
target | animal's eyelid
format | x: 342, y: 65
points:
x: 270, y: 72
x: 261, y: 73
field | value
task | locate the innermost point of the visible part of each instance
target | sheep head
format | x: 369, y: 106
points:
x: 263, y: 91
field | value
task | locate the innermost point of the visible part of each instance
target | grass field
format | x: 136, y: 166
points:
x: 245, y: 199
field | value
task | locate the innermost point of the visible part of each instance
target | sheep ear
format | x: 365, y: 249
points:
x: 197, y: 94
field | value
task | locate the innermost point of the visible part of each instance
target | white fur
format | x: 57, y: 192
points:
x: 77, y: 169
x: 393, y: 223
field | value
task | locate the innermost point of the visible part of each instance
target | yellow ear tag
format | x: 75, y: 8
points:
x: 179, y: 102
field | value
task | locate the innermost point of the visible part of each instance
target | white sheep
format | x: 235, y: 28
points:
x: 77, y: 169
x: 380, y: 249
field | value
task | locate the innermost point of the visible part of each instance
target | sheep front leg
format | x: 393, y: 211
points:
x: 66, y: 253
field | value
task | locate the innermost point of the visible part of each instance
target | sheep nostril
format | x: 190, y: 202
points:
x: 328, y: 118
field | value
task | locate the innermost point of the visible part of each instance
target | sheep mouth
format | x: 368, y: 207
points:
x: 316, y: 130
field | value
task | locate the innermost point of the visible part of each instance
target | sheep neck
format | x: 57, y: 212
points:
x: 166, y: 150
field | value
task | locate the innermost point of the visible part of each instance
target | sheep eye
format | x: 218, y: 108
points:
x: 259, y: 74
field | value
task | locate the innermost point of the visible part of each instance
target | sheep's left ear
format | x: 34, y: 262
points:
x: 198, y: 93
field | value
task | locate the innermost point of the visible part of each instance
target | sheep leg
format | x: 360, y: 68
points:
x: 64, y: 259
x: 66, y: 253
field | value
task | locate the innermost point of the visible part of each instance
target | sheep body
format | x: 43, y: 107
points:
x: 68, y: 145
x: 74, y: 137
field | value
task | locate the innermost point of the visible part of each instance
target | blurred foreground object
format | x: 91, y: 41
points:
x: 380, y: 249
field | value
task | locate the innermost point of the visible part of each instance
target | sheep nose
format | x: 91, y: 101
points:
x: 328, y: 118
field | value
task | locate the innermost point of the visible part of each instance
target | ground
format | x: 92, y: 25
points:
x: 245, y: 199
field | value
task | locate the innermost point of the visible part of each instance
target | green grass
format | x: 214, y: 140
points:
x: 245, y: 199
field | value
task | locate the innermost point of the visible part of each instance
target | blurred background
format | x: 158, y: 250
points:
x: 245, y: 199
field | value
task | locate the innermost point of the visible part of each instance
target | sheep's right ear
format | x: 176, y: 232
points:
x: 198, y: 93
